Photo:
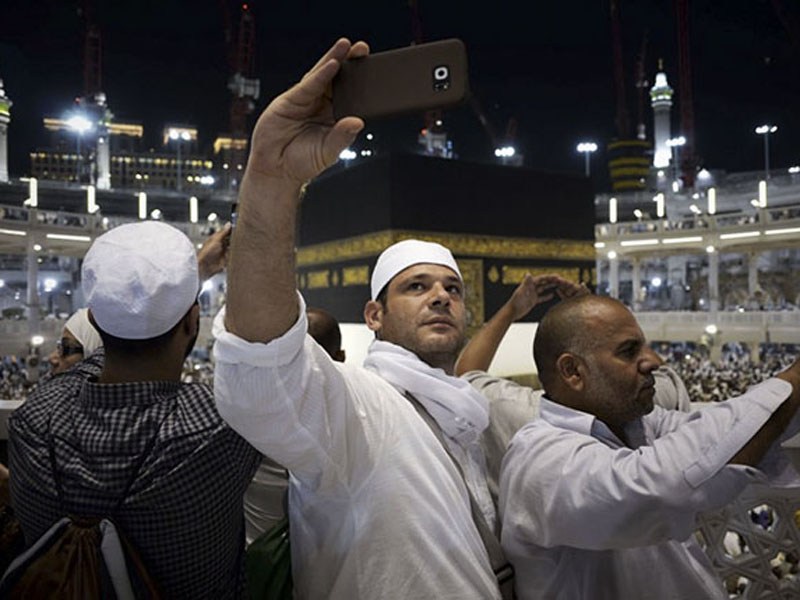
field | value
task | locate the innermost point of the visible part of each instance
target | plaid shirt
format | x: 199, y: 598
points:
x: 184, y: 510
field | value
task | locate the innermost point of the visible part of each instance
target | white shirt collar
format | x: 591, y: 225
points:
x: 583, y: 422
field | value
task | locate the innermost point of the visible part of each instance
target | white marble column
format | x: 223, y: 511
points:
x: 613, y: 277
x: 713, y: 281
x: 636, y: 284
x: 752, y: 273
x: 33, y: 284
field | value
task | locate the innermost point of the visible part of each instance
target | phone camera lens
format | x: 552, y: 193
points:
x: 441, y: 78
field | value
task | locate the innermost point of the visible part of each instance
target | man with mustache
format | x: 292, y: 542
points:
x: 387, y: 494
x: 598, y: 497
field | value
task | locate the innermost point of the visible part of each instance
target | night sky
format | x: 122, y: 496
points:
x: 548, y: 65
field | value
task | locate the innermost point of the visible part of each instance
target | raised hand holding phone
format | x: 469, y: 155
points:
x: 404, y: 80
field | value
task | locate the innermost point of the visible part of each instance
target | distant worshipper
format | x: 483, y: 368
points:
x: 264, y: 501
x: 512, y: 405
x: 324, y: 328
x: 388, y: 496
x: 599, y: 496
x: 79, y: 339
x: 130, y: 441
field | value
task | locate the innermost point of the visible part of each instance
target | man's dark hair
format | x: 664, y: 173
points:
x: 324, y: 328
x: 128, y: 347
x: 381, y: 297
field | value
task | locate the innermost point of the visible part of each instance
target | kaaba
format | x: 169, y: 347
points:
x: 499, y: 221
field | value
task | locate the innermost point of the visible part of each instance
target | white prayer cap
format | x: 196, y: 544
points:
x: 79, y: 326
x: 140, y: 279
x: 398, y: 257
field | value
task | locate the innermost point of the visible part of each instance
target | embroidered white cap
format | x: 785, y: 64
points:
x: 398, y: 257
x: 140, y: 279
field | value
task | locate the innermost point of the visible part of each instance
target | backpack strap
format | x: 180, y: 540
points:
x: 503, y: 570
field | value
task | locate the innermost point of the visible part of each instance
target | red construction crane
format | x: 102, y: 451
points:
x: 92, y: 52
x: 628, y: 164
x: 689, y: 161
x: 240, y: 47
x: 432, y: 137
x: 623, y: 120
x: 641, y: 89
x: 790, y: 19
x: 501, y: 144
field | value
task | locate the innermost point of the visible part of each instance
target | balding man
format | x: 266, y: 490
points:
x: 599, y: 496
x: 512, y: 405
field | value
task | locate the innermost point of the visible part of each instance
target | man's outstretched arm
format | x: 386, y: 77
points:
x: 479, y: 352
x: 295, y: 139
x: 752, y: 452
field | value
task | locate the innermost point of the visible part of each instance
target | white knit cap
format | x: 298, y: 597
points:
x: 140, y: 279
x: 398, y: 257
x: 80, y: 327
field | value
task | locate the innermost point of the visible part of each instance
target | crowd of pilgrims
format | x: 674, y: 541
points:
x: 706, y: 380
x: 395, y: 483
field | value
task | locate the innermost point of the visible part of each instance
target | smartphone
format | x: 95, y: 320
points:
x: 234, y: 213
x: 412, y: 79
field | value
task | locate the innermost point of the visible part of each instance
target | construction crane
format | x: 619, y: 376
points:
x: 790, y: 19
x: 689, y: 160
x: 92, y: 52
x: 503, y: 146
x: 432, y: 137
x: 244, y: 87
x: 92, y: 105
x: 628, y: 164
x: 623, y: 121
x: 641, y: 89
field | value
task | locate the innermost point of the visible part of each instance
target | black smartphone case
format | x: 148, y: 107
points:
x: 401, y: 81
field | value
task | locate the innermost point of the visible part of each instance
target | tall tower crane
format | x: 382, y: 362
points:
x: 790, y: 19
x: 92, y: 104
x: 503, y: 146
x: 641, y: 89
x: 432, y: 137
x: 245, y: 89
x: 689, y: 160
x: 627, y: 161
x: 623, y: 121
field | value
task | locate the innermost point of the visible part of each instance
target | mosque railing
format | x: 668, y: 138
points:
x: 27, y: 220
x: 754, y: 543
x: 760, y: 220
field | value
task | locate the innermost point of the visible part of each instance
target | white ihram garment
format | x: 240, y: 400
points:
x: 377, y: 508
x: 584, y: 516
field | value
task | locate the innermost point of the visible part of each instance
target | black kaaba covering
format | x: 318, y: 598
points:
x: 499, y: 219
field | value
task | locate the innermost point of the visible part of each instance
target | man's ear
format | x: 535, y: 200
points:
x: 373, y: 315
x: 570, y: 371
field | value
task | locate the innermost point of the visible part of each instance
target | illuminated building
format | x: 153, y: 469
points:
x: 129, y: 167
x: 230, y: 154
x: 661, y: 101
x: 5, y: 119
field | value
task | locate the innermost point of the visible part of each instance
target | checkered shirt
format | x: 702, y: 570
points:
x: 184, y: 510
